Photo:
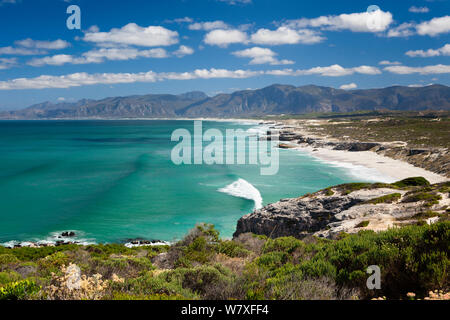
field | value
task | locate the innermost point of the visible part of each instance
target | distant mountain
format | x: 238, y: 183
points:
x: 272, y: 100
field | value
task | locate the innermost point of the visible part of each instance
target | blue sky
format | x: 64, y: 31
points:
x: 141, y: 46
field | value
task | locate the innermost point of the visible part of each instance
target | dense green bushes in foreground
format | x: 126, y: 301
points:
x: 201, y: 266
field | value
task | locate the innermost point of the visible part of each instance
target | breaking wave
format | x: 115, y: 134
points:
x: 243, y: 189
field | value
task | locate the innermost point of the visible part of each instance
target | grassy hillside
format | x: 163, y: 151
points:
x: 202, y: 266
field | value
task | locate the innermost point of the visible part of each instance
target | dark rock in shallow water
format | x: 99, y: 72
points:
x: 68, y: 234
x: 142, y: 242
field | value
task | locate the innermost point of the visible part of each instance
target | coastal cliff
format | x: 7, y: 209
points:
x: 350, y: 208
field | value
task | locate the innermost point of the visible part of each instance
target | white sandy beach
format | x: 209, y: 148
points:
x: 389, y: 169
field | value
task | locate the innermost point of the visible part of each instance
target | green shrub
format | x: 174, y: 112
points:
x: 412, y: 182
x: 34, y: 254
x: 273, y: 260
x: 140, y: 297
x: 362, y: 224
x: 210, y: 282
x: 232, y: 249
x: 8, y: 258
x: 389, y: 198
x: 9, y: 276
x: 154, y: 285
x: 52, y: 263
x: 18, y: 290
x: 284, y: 244
x: 422, y: 196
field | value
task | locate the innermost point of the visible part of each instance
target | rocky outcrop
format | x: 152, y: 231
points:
x: 339, y: 209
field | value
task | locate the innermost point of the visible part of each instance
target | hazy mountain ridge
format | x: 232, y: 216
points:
x: 275, y: 99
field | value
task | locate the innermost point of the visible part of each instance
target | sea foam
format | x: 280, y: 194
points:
x: 243, y: 189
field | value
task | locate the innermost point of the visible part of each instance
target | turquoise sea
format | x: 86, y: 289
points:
x: 114, y: 180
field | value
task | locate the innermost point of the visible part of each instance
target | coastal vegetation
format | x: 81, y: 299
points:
x: 413, y: 259
x: 422, y: 129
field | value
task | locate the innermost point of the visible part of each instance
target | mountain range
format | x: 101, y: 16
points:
x: 272, y: 100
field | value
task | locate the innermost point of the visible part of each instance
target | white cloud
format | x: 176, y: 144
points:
x: 132, y: 34
x: 415, y: 9
x: 37, y: 44
x: 338, y: 71
x: 329, y: 71
x: 443, y: 51
x: 181, y: 20
x: 56, y: 60
x: 357, y: 22
x: 434, y: 69
x: 261, y: 56
x: 404, y: 30
x: 99, y: 56
x: 349, y: 86
x: 183, y: 51
x: 285, y: 35
x: 207, y: 26
x: 223, y: 38
x: 235, y: 2
x: 6, y: 63
x: 28, y: 47
x: 20, y: 51
x: 83, y: 78
x: 2, y: 2
x: 434, y: 27
x: 389, y: 63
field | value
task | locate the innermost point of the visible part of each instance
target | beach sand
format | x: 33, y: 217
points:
x: 390, y: 169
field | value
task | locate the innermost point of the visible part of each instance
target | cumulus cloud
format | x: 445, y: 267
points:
x: 415, y: 9
x: 349, y: 86
x: 28, y: 47
x: 20, y: 51
x: 223, y: 37
x: 235, y: 2
x: 38, y: 44
x: 403, y: 30
x: 83, y: 78
x: 375, y: 21
x: 329, y: 71
x: 285, y: 35
x: 443, y: 51
x: 389, y: 63
x: 209, y: 25
x: 6, y: 63
x: 261, y: 56
x: 434, y: 69
x: 434, y: 27
x: 338, y: 71
x: 99, y: 56
x: 183, y: 51
x: 132, y: 34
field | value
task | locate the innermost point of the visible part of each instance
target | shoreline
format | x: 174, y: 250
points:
x: 392, y: 169
x: 388, y: 169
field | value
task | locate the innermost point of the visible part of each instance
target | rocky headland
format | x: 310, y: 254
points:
x: 349, y: 208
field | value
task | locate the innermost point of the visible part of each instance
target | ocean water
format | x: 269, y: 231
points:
x: 114, y: 180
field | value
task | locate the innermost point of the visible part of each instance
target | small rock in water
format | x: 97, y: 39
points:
x: 68, y: 234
